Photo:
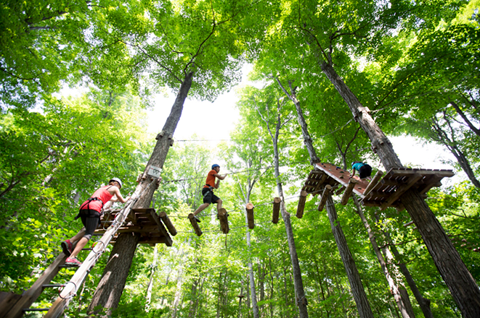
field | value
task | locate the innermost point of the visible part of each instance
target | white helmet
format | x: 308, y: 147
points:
x: 117, y: 180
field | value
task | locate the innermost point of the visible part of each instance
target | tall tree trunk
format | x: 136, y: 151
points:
x: 394, y: 289
x: 110, y: 288
x: 353, y: 276
x: 423, y: 302
x: 250, y: 266
x: 463, y: 287
x: 193, y: 298
x: 178, y: 292
x: 356, y: 285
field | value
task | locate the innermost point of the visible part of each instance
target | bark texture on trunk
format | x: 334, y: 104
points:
x: 462, y: 286
x: 356, y: 285
x: 113, y: 284
x: 114, y: 275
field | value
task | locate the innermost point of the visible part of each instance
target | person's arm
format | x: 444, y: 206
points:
x: 116, y: 191
x: 221, y: 177
x: 352, y: 173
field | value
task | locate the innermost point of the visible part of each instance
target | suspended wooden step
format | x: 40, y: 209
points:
x: 194, y: 223
x: 251, y: 221
x: 223, y: 217
x: 276, y: 209
x: 301, y: 203
x: 145, y: 222
x: 380, y: 192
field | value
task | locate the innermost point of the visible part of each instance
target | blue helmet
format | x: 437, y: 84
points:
x: 214, y: 166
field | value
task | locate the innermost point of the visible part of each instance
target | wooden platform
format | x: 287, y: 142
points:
x: 145, y: 222
x: 383, y: 192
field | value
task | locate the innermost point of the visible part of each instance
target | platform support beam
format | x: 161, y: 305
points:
x: 196, y: 228
x: 401, y: 190
x: 325, y: 194
x: 301, y: 203
x: 348, y: 192
x: 276, y: 209
x: 373, y: 183
x: 250, y: 217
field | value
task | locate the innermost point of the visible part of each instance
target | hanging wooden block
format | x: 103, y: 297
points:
x: 276, y: 209
x: 348, y: 192
x: 222, y: 216
x: 168, y: 223
x: 301, y: 203
x: 251, y: 221
x: 325, y: 194
x: 196, y: 228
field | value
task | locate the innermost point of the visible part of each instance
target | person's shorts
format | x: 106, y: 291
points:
x: 208, y: 196
x: 365, y: 171
x: 90, y: 219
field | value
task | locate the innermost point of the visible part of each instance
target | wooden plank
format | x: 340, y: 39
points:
x: 161, y: 228
x: 348, y: 192
x: 168, y: 223
x: 276, y: 209
x: 196, y: 228
x: 250, y: 216
x: 373, y: 183
x: 423, y: 172
x: 301, y: 203
x: 132, y: 229
x: 153, y: 240
x: 325, y: 194
x: 222, y: 216
x: 31, y: 295
x: 7, y: 301
x: 411, y: 181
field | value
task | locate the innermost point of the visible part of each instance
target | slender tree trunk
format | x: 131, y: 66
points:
x: 109, y: 290
x: 394, y: 289
x: 152, y: 273
x: 423, y: 302
x: 193, y: 299
x: 463, y: 287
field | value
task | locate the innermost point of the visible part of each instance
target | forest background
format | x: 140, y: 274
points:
x: 413, y: 64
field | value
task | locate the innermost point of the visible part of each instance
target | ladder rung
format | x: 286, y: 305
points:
x: 97, y: 234
x: 36, y: 309
x: 87, y: 249
x: 52, y: 285
x: 67, y: 266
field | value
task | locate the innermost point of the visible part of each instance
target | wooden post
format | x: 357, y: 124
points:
x: 160, y: 226
x: 222, y: 216
x: 348, y: 192
x: 325, y: 194
x: 301, y: 203
x: 168, y: 223
x: 276, y: 209
x: 196, y: 228
x: 251, y: 221
x: 373, y: 183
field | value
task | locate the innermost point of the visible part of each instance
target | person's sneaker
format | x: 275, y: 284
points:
x: 198, y: 220
x: 67, y: 247
x: 73, y: 261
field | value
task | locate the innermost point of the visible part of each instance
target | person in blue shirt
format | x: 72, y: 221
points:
x: 363, y: 169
